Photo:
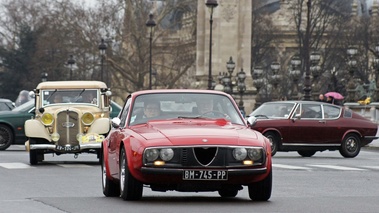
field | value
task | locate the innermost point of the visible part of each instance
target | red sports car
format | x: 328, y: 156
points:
x: 184, y: 140
x: 310, y: 126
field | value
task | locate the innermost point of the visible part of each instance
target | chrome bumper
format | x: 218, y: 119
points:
x: 53, y: 147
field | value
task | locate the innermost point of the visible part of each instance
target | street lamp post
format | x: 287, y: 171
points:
x: 150, y: 23
x: 241, y: 76
x: 316, y: 72
x: 352, y: 63
x: 376, y: 67
x: 307, y: 78
x: 44, y: 76
x: 211, y: 4
x: 102, y: 48
x: 258, y: 82
x: 70, y: 63
x: 227, y: 79
x: 295, y: 74
x: 275, y: 79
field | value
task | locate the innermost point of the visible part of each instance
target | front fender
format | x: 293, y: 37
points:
x: 35, y: 129
x: 100, y: 126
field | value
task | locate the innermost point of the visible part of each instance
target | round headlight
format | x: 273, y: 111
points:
x: 254, y: 154
x: 55, y: 137
x: 88, y: 118
x: 166, y: 154
x: 151, y: 154
x: 47, y: 119
x: 239, y: 153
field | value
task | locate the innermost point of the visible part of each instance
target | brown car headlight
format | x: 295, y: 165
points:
x: 47, y: 119
x: 88, y: 118
x: 255, y: 154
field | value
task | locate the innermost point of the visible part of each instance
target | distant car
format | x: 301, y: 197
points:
x: 71, y: 117
x: 187, y: 146
x: 12, y: 123
x: 309, y: 126
x: 6, y: 104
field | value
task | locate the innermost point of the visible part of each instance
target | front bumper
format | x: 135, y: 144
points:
x: 54, y: 147
x: 174, y: 171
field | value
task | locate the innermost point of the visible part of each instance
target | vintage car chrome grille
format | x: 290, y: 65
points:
x: 68, y: 127
x: 205, y: 155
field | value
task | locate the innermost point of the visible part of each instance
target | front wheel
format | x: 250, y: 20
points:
x: 130, y: 188
x: 350, y: 146
x: 6, y: 137
x: 274, y: 141
x: 261, y: 191
x: 110, y: 188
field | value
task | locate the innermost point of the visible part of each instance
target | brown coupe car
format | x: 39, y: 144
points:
x: 309, y: 126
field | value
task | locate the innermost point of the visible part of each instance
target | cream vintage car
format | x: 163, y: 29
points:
x: 70, y: 117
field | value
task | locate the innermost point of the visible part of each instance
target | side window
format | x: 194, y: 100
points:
x: 332, y: 112
x: 311, y: 111
x: 124, y: 112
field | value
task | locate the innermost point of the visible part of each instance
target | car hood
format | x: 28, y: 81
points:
x: 10, y: 114
x: 214, y: 132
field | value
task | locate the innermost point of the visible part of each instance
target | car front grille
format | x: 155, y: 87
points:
x: 68, y: 127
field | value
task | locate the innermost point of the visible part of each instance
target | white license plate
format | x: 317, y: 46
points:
x: 205, y: 175
x: 67, y: 148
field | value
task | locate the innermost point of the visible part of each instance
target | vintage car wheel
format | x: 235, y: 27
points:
x: 130, y: 188
x: 228, y: 192
x: 350, y: 146
x: 35, y: 156
x: 306, y: 153
x: 274, y: 141
x: 110, y: 188
x: 261, y: 191
x: 6, y: 137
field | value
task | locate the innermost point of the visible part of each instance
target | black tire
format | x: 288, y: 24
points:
x: 130, y: 188
x: 35, y: 156
x: 261, y: 191
x: 350, y: 146
x: 110, y: 188
x: 274, y: 141
x: 228, y: 192
x: 306, y: 153
x: 6, y: 137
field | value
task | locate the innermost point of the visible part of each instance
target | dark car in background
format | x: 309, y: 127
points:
x: 6, y: 104
x: 12, y: 123
x: 310, y: 126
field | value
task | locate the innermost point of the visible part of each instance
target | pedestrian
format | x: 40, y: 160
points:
x: 330, y: 100
x: 321, y: 98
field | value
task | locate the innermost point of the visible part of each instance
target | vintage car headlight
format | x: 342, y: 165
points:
x: 254, y: 154
x: 47, y: 119
x: 151, y: 154
x: 88, y: 118
x: 166, y: 154
x: 239, y: 153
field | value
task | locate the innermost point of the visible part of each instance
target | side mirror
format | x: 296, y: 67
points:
x: 252, y: 120
x: 116, y: 122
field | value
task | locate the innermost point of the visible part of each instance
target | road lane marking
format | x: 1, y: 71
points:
x: 336, y: 167
x: 15, y: 166
x: 290, y: 167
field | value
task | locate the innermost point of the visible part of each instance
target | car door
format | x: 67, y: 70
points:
x: 308, y: 125
x: 335, y: 129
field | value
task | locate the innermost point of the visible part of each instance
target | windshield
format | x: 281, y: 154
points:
x: 277, y: 110
x: 81, y: 96
x: 184, y: 106
x: 25, y: 107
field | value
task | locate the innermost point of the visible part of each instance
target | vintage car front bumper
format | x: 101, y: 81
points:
x: 54, y: 147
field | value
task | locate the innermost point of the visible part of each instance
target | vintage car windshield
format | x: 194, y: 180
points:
x: 274, y: 110
x: 75, y: 96
x: 184, y: 106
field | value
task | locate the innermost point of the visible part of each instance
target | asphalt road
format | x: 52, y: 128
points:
x: 326, y: 182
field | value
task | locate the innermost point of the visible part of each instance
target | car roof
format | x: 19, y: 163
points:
x: 71, y: 85
x: 179, y: 91
x: 5, y: 100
